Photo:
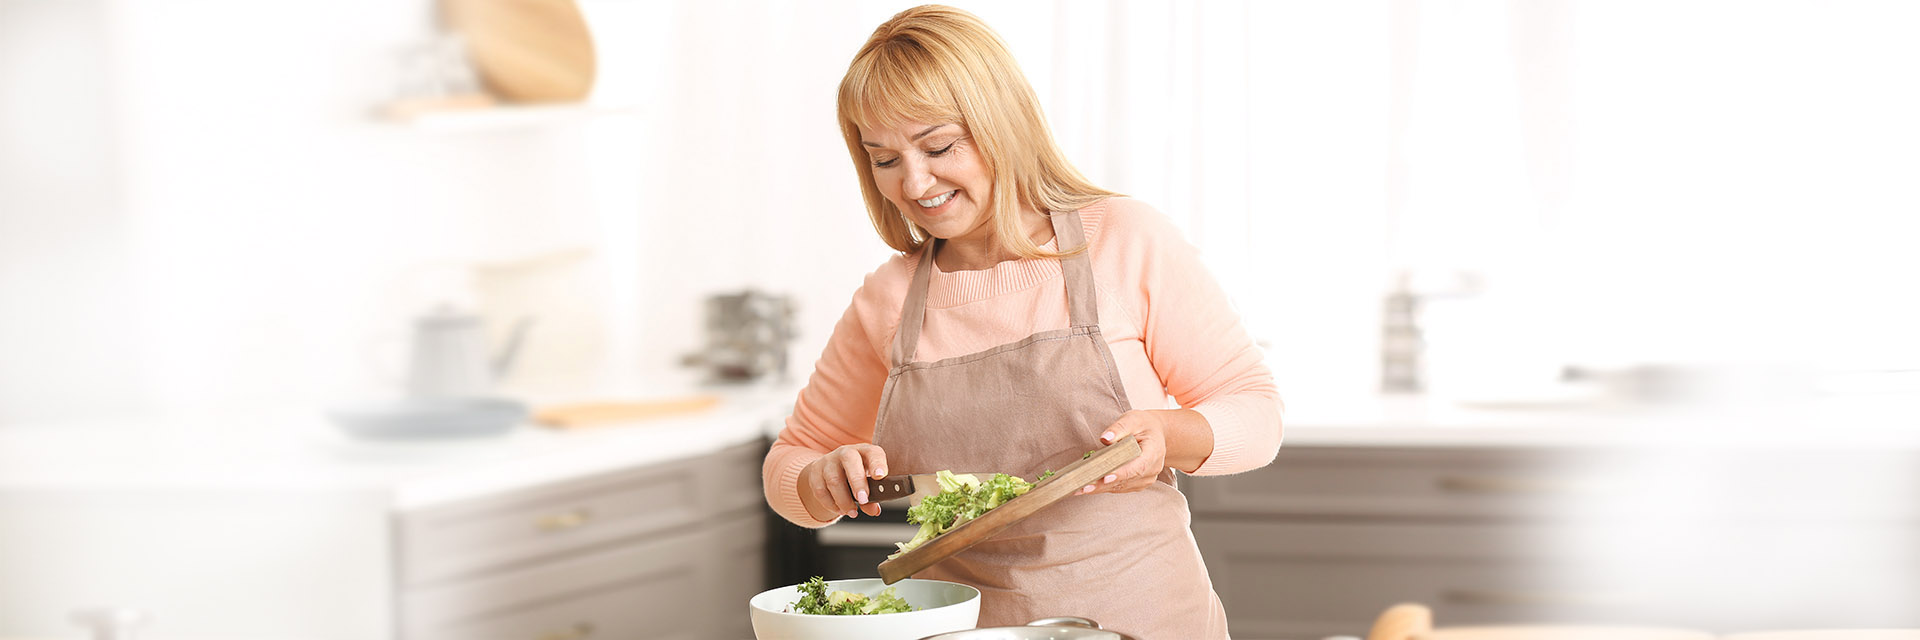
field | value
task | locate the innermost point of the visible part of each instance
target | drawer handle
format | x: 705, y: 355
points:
x: 1507, y: 485
x: 576, y: 632
x: 1534, y: 598
x: 564, y: 521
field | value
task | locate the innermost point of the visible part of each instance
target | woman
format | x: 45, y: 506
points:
x: 1030, y: 317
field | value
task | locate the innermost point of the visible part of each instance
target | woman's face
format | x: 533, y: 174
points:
x: 935, y: 175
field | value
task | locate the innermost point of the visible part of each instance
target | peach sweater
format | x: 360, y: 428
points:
x: 1175, y: 338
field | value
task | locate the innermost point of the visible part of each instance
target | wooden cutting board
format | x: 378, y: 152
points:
x: 599, y: 413
x: 1063, y: 484
x: 526, y: 50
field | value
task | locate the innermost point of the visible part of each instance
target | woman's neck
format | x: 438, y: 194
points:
x: 961, y: 254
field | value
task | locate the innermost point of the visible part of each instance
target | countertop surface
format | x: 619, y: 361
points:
x: 1866, y: 421
x: 298, y: 450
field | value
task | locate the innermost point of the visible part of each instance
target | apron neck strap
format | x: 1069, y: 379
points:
x: 1077, y: 270
x: 906, y: 339
x: 1083, y: 309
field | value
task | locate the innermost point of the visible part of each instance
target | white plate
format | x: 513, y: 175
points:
x: 429, y: 417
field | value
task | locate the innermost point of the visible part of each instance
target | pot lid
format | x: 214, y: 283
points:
x: 1062, y: 628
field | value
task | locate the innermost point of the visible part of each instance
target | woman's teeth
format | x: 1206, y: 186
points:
x: 937, y: 200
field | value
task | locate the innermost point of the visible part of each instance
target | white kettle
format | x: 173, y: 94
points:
x: 451, y: 358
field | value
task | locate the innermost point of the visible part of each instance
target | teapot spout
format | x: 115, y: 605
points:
x: 503, y: 361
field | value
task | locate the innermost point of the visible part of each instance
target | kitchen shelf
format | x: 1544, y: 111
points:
x: 503, y: 117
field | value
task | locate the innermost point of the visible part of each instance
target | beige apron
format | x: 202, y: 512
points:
x: 1127, y: 560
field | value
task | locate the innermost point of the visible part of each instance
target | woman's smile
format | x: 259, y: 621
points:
x: 936, y: 205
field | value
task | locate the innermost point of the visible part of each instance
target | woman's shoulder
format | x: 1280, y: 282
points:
x: 891, y: 279
x: 884, y: 290
x: 1120, y: 220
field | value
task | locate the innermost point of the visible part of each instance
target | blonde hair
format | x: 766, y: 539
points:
x: 937, y: 64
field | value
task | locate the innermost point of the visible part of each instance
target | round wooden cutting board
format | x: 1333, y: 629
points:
x: 526, y: 50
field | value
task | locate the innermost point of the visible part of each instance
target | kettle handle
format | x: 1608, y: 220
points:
x: 1065, y: 621
x: 503, y: 362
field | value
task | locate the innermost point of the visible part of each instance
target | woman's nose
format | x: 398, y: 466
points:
x: 917, y: 181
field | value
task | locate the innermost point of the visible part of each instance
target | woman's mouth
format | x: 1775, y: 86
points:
x: 935, y: 203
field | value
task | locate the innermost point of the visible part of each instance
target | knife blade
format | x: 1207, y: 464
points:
x: 912, y: 487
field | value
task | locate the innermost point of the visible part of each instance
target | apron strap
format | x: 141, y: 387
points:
x: 1077, y: 270
x: 1083, y: 309
x: 906, y: 339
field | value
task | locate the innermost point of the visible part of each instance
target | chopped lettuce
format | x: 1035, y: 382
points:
x: 815, y: 600
x: 961, y: 498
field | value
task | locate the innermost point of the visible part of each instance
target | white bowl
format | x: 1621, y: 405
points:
x: 942, y: 607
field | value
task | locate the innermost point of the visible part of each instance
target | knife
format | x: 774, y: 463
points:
x: 912, y: 487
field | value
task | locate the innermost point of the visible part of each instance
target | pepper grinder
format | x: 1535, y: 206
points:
x: 1400, y: 340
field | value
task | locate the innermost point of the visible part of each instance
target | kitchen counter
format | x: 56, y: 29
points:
x: 1880, y: 421
x: 260, y: 450
x: 264, y: 450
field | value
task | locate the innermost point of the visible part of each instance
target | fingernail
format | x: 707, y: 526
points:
x: 879, y: 473
x: 1088, y: 489
x: 1107, y: 437
x: 853, y: 514
x: 861, y: 497
x: 1110, y: 477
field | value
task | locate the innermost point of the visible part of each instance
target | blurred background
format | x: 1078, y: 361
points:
x: 1562, y: 206
x: 202, y: 204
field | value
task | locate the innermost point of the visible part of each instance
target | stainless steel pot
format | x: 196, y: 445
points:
x: 1062, y: 628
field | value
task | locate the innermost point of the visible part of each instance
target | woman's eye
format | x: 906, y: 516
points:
x: 942, y: 150
x: 886, y: 163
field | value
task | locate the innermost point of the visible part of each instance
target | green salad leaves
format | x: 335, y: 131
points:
x: 814, y: 600
x: 961, y: 498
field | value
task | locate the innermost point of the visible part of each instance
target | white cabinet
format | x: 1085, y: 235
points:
x: 1722, y: 539
x: 650, y: 530
x: 671, y: 550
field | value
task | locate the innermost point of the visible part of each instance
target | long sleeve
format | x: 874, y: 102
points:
x: 841, y: 398
x: 1195, y: 340
x: 1173, y: 330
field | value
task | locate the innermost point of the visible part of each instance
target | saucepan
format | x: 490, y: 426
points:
x: 1062, y: 628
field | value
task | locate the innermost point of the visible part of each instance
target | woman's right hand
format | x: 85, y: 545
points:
x: 836, y: 484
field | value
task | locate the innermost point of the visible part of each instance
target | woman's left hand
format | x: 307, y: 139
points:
x: 1167, y: 437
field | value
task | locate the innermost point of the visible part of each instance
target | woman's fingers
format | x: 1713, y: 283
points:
x: 817, y: 486
x: 876, y: 459
x: 853, y: 466
x: 1141, y: 472
x: 834, y: 476
x: 843, y: 475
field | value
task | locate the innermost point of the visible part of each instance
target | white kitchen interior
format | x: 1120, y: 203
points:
x: 1582, y: 311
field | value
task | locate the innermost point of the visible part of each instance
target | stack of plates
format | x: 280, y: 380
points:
x: 429, y: 417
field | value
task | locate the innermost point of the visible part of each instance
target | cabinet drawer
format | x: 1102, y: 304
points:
x: 738, y: 572
x: 1488, y: 484
x: 651, y: 589
x: 1317, y: 580
x: 503, y: 531
x: 1404, y: 482
x: 732, y: 478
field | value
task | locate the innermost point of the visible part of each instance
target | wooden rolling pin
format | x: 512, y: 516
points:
x: 589, y: 414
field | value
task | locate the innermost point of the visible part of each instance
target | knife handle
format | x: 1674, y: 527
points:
x: 889, y: 488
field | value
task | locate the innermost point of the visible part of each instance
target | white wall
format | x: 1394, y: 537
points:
x: 67, y: 327
x: 197, y: 208
x: 213, y: 216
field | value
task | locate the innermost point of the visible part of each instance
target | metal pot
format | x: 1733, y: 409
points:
x: 1062, y: 628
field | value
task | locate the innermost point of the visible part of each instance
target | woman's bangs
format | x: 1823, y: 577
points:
x: 899, y: 84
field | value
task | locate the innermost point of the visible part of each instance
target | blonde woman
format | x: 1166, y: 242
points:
x: 1029, y: 318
